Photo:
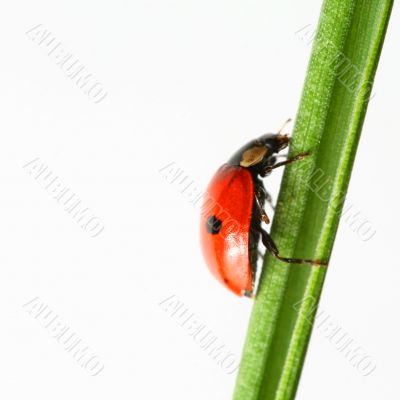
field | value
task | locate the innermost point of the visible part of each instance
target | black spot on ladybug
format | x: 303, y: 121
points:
x: 213, y: 225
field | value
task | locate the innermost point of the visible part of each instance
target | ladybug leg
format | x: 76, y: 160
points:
x: 267, y: 170
x: 261, y: 195
x: 267, y: 196
x: 264, y: 215
x: 269, y: 200
x: 271, y: 247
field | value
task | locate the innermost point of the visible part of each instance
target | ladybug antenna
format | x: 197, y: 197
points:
x: 287, y: 122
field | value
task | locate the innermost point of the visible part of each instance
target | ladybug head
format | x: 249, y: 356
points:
x: 275, y: 142
x: 261, y: 151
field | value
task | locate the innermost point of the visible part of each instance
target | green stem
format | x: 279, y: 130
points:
x: 336, y: 92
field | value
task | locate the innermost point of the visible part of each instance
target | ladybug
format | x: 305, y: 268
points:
x: 233, y: 212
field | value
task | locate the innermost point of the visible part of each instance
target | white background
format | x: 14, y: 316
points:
x: 188, y: 82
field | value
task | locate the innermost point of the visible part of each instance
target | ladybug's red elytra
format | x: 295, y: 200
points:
x: 233, y: 211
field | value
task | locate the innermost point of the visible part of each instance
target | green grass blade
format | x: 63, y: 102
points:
x: 338, y: 84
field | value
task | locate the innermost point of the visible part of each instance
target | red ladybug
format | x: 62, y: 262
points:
x: 233, y: 210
